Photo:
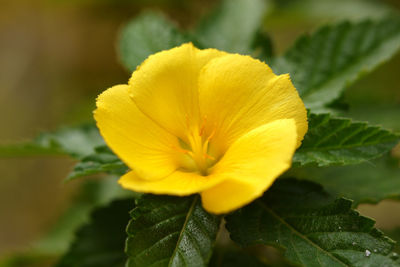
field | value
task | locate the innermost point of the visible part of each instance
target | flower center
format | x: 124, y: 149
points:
x: 197, y: 147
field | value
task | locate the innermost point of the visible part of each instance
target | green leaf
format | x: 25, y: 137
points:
x: 262, y: 46
x: 77, y: 142
x: 233, y: 258
x: 328, y: 10
x: 102, y: 161
x: 147, y: 34
x: 324, y: 64
x: 313, y: 228
x: 369, y: 182
x: 339, y: 141
x: 232, y: 26
x: 386, y: 115
x: 395, y: 234
x: 101, y: 243
x: 25, y: 260
x: 170, y: 231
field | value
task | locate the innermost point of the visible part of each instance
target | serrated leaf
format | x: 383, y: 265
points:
x: 364, y: 183
x: 339, y: 141
x: 232, y: 26
x: 77, y: 142
x: 102, y: 161
x: 387, y: 115
x: 147, y: 34
x: 395, y: 234
x: 313, y: 228
x: 170, y: 231
x: 101, y: 243
x: 324, y: 64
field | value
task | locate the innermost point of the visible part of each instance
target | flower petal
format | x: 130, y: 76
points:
x: 138, y: 141
x: 165, y: 87
x: 238, y: 93
x: 178, y: 183
x: 251, y: 165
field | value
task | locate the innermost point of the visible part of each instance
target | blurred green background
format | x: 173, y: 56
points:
x: 56, y: 56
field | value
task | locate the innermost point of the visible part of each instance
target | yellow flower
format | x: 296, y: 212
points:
x: 203, y: 121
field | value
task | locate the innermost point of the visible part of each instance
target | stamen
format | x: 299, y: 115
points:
x: 203, y: 126
x: 208, y: 156
x: 181, y: 150
x: 197, y: 144
x: 205, y: 146
x: 211, y: 135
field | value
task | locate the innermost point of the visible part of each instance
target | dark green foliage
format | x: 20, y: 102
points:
x: 232, y: 26
x: 369, y: 182
x: 324, y: 64
x: 101, y: 243
x: 233, y: 258
x: 339, y: 141
x: 170, y: 231
x: 81, y: 142
x: 329, y: 10
x: 263, y: 47
x: 312, y: 227
x: 151, y: 32
x: 395, y: 234
x: 77, y: 142
x: 26, y: 260
x: 386, y: 115
x: 102, y: 161
x: 145, y: 35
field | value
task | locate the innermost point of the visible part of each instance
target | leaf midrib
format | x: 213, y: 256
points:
x: 260, y: 203
x: 189, y: 214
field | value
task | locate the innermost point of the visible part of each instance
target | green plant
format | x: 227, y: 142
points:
x: 309, y: 213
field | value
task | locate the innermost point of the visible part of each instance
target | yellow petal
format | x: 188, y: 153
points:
x: 178, y: 183
x: 238, y: 93
x: 165, y: 87
x: 251, y: 165
x: 139, y: 142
